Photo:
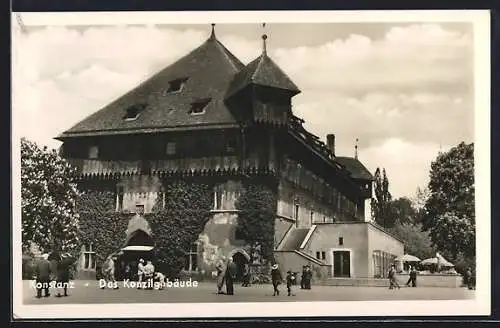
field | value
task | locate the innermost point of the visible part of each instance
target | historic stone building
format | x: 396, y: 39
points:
x: 209, y: 115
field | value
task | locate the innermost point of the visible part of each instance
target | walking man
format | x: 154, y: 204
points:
x: 290, y: 280
x: 63, y: 269
x: 276, y: 278
x: 393, y: 283
x: 230, y: 276
x: 413, y: 277
x: 42, y: 272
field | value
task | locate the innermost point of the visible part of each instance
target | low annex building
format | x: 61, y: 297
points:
x: 208, y: 116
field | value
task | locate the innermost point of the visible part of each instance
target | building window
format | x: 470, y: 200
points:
x: 93, y: 152
x: 89, y: 257
x: 218, y: 198
x: 323, y: 255
x: 171, y: 148
x: 341, y: 241
x: 119, y: 198
x: 176, y: 85
x: 318, y: 255
x: 139, y: 209
x: 198, y: 107
x: 133, y: 112
x: 192, y: 258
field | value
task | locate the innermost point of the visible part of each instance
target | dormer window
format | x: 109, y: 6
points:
x: 133, y: 112
x: 176, y: 85
x: 198, y: 107
x: 93, y: 152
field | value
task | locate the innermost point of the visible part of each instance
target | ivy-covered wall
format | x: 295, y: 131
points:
x: 178, y: 224
x: 99, y: 224
x: 256, y: 218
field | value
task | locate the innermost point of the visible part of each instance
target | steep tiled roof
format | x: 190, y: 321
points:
x: 355, y: 167
x: 262, y: 71
x: 207, y: 70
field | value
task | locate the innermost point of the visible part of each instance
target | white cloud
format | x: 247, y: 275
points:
x: 388, y: 92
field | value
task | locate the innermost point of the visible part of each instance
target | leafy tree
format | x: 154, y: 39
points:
x: 256, y: 218
x: 402, y: 211
x: 381, y: 211
x: 48, y: 198
x: 417, y: 242
x: 449, y: 211
x: 178, y: 225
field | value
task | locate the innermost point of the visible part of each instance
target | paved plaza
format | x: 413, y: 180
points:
x: 88, y: 292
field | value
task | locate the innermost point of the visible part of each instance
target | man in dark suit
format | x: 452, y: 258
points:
x: 43, y: 272
x: 230, y: 276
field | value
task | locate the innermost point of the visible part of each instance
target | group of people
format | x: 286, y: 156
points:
x: 146, y: 274
x: 58, y: 271
x: 226, y: 274
x: 305, y: 279
x: 277, y: 279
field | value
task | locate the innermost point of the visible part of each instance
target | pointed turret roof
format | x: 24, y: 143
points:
x: 262, y: 71
x: 202, y: 75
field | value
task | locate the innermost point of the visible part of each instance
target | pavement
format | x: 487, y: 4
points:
x: 88, y: 292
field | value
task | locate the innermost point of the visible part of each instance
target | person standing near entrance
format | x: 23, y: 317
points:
x: 140, y: 273
x: 220, y: 276
x: 303, y: 278
x: 308, y: 276
x: 230, y: 276
x: 276, y: 278
x: 246, y: 275
x: 42, y: 272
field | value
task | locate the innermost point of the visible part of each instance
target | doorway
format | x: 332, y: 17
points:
x: 342, y: 264
x: 240, y: 260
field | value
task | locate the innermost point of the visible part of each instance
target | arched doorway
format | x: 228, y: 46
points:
x: 240, y: 258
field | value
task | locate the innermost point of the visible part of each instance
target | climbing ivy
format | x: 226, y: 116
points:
x: 178, y: 225
x: 99, y: 224
x: 256, y: 218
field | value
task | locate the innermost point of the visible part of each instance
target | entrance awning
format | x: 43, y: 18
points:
x: 138, y: 248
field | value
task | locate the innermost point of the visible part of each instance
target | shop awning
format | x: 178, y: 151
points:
x: 138, y: 248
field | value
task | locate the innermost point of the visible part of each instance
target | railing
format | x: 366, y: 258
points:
x: 191, y: 165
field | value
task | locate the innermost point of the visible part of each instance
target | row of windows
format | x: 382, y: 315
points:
x: 175, y: 86
x: 321, y: 255
x: 172, y: 148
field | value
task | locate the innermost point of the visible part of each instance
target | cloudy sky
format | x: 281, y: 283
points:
x: 404, y: 90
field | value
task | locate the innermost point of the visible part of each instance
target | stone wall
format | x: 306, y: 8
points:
x: 379, y: 240
x: 140, y: 190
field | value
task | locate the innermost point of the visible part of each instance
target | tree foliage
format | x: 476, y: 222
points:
x: 100, y: 225
x: 381, y: 203
x: 256, y: 220
x: 48, y: 198
x: 178, y: 225
x: 402, y: 211
x: 417, y: 242
x: 449, y: 210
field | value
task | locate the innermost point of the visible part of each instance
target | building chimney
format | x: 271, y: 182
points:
x: 330, y: 142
